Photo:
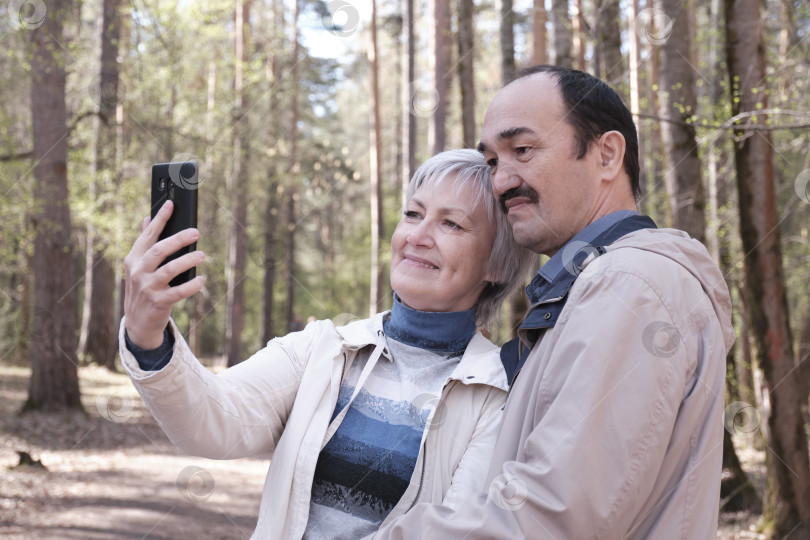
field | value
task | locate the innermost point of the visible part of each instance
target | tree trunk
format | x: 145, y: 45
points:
x: 635, y: 83
x: 375, y: 159
x: 561, y: 34
x: 443, y: 72
x: 466, y: 76
x: 235, y: 316
x: 609, y: 42
x: 539, y: 45
x: 507, y: 30
x: 54, y: 381
x: 408, y: 112
x: 98, y: 336
x: 579, y: 36
x: 292, y: 170
x: 787, y: 505
x: 679, y: 104
x: 271, y: 210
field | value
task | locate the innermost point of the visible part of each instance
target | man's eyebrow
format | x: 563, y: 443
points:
x: 507, y: 134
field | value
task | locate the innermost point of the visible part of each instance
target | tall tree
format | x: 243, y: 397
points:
x: 442, y: 73
x: 609, y: 43
x: 54, y: 375
x: 507, y: 32
x: 408, y: 112
x: 235, y: 316
x: 292, y: 169
x: 375, y: 165
x: 539, y: 18
x: 678, y: 104
x: 788, y: 478
x: 466, y: 77
x: 98, y: 340
x: 561, y: 34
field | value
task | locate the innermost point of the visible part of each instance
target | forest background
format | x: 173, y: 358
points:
x: 307, y: 118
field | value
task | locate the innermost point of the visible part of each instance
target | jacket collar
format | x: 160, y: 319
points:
x: 479, y: 364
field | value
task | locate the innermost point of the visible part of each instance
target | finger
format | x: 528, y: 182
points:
x: 152, y: 229
x: 183, y: 291
x: 158, y: 252
x: 145, y: 223
x: 172, y: 269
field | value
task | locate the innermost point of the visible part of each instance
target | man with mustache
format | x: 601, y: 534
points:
x: 613, y: 427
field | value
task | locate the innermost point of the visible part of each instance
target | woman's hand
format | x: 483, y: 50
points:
x: 148, y: 298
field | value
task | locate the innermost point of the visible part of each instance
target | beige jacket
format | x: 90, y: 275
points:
x: 614, y: 426
x: 281, y: 400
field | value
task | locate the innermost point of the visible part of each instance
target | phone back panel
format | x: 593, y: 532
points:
x: 177, y: 182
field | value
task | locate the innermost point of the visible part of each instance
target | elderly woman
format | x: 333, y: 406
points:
x: 363, y: 420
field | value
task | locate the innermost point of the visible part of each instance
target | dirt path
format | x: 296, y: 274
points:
x: 112, y: 473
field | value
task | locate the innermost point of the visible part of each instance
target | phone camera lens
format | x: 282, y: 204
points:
x: 171, y: 192
x: 162, y: 184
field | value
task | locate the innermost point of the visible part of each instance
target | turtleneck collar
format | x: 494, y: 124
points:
x: 440, y: 332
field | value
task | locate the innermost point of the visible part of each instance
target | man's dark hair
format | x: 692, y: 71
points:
x: 594, y: 108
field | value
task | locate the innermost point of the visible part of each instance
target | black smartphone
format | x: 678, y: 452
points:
x: 177, y: 182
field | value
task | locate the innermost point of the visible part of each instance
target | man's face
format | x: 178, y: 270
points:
x: 547, y: 193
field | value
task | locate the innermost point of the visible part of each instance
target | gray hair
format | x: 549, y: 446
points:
x: 510, y: 262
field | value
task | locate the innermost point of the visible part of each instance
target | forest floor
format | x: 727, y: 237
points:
x: 111, y: 473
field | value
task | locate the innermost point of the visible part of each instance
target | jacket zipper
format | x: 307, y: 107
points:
x: 421, y: 476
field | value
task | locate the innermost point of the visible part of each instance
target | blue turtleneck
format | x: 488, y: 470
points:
x: 446, y: 333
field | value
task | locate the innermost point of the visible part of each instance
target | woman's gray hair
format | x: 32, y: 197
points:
x: 510, y: 262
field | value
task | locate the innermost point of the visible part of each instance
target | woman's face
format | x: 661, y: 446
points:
x: 440, y: 249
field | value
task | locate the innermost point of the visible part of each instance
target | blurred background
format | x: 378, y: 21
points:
x: 307, y: 118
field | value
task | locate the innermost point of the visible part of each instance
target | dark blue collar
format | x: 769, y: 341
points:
x: 447, y: 332
x: 548, y: 291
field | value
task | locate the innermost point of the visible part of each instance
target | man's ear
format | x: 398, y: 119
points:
x: 611, y: 147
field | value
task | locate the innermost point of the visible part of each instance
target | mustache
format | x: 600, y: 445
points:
x: 522, y: 190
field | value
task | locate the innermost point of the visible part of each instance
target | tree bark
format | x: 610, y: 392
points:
x: 408, y: 113
x: 292, y: 168
x: 466, y: 75
x: 235, y: 316
x: 507, y: 32
x: 787, y: 504
x: 561, y: 34
x: 442, y: 73
x: 539, y: 45
x: 98, y: 342
x: 375, y: 159
x: 54, y: 381
x: 609, y: 42
x: 679, y: 103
